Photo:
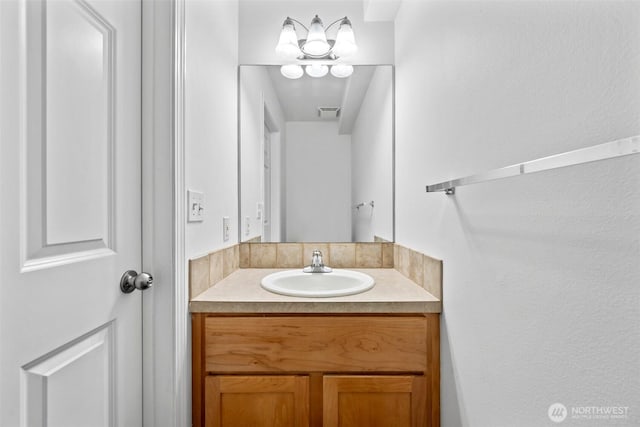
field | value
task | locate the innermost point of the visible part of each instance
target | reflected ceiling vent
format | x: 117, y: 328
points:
x: 328, y: 113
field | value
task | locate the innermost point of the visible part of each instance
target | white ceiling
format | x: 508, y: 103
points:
x: 301, y: 98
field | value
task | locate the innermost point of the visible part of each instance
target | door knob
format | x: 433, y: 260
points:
x: 131, y: 281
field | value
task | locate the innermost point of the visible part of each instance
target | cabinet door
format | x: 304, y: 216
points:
x: 256, y: 401
x: 374, y: 401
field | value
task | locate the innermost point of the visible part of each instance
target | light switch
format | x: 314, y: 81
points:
x: 226, y: 228
x: 247, y: 225
x: 195, y: 202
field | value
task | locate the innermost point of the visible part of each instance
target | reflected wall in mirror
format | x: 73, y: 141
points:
x: 316, y: 156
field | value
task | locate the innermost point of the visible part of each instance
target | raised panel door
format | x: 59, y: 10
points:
x: 257, y: 401
x: 374, y: 401
x: 70, y: 218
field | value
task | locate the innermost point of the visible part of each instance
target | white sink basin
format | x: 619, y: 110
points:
x: 311, y: 285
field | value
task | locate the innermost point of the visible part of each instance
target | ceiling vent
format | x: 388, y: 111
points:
x: 328, y: 113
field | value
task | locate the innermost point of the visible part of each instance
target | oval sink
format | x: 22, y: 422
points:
x: 312, y: 285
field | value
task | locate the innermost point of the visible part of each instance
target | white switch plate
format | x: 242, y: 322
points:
x: 259, y: 211
x: 195, y: 202
x: 226, y: 228
x: 247, y: 225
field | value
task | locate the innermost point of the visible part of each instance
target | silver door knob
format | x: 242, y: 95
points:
x: 131, y: 281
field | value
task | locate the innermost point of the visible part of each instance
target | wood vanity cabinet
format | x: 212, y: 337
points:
x: 316, y: 370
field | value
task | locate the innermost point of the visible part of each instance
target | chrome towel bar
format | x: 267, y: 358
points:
x: 608, y: 150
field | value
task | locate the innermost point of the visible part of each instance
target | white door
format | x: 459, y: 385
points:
x: 70, y: 222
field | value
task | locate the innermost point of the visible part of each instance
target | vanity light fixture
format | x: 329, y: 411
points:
x: 341, y: 71
x: 316, y: 70
x: 291, y: 71
x: 316, y: 46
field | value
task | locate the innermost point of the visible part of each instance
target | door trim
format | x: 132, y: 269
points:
x: 182, y: 363
x: 166, y: 362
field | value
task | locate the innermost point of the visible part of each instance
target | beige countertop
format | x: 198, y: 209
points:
x: 240, y: 292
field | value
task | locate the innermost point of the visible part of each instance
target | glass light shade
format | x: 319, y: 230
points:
x: 341, y: 71
x: 345, y: 40
x: 291, y: 71
x: 316, y: 44
x: 287, y: 47
x: 317, y: 70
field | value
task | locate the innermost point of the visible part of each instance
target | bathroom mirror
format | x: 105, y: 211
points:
x: 316, y: 156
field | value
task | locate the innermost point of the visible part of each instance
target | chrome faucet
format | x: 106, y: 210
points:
x: 317, y: 265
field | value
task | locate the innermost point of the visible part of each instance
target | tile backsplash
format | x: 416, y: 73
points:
x: 208, y: 270
x: 297, y: 255
x: 422, y: 269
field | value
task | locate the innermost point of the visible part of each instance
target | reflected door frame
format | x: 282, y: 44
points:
x: 265, y: 209
x: 272, y: 178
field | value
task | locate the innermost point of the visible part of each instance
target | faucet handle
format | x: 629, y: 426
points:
x: 316, y: 259
x: 317, y: 265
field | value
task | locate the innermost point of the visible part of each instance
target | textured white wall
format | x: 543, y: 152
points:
x: 318, y: 164
x: 372, y: 160
x: 261, y: 22
x: 211, y: 119
x: 541, y: 272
